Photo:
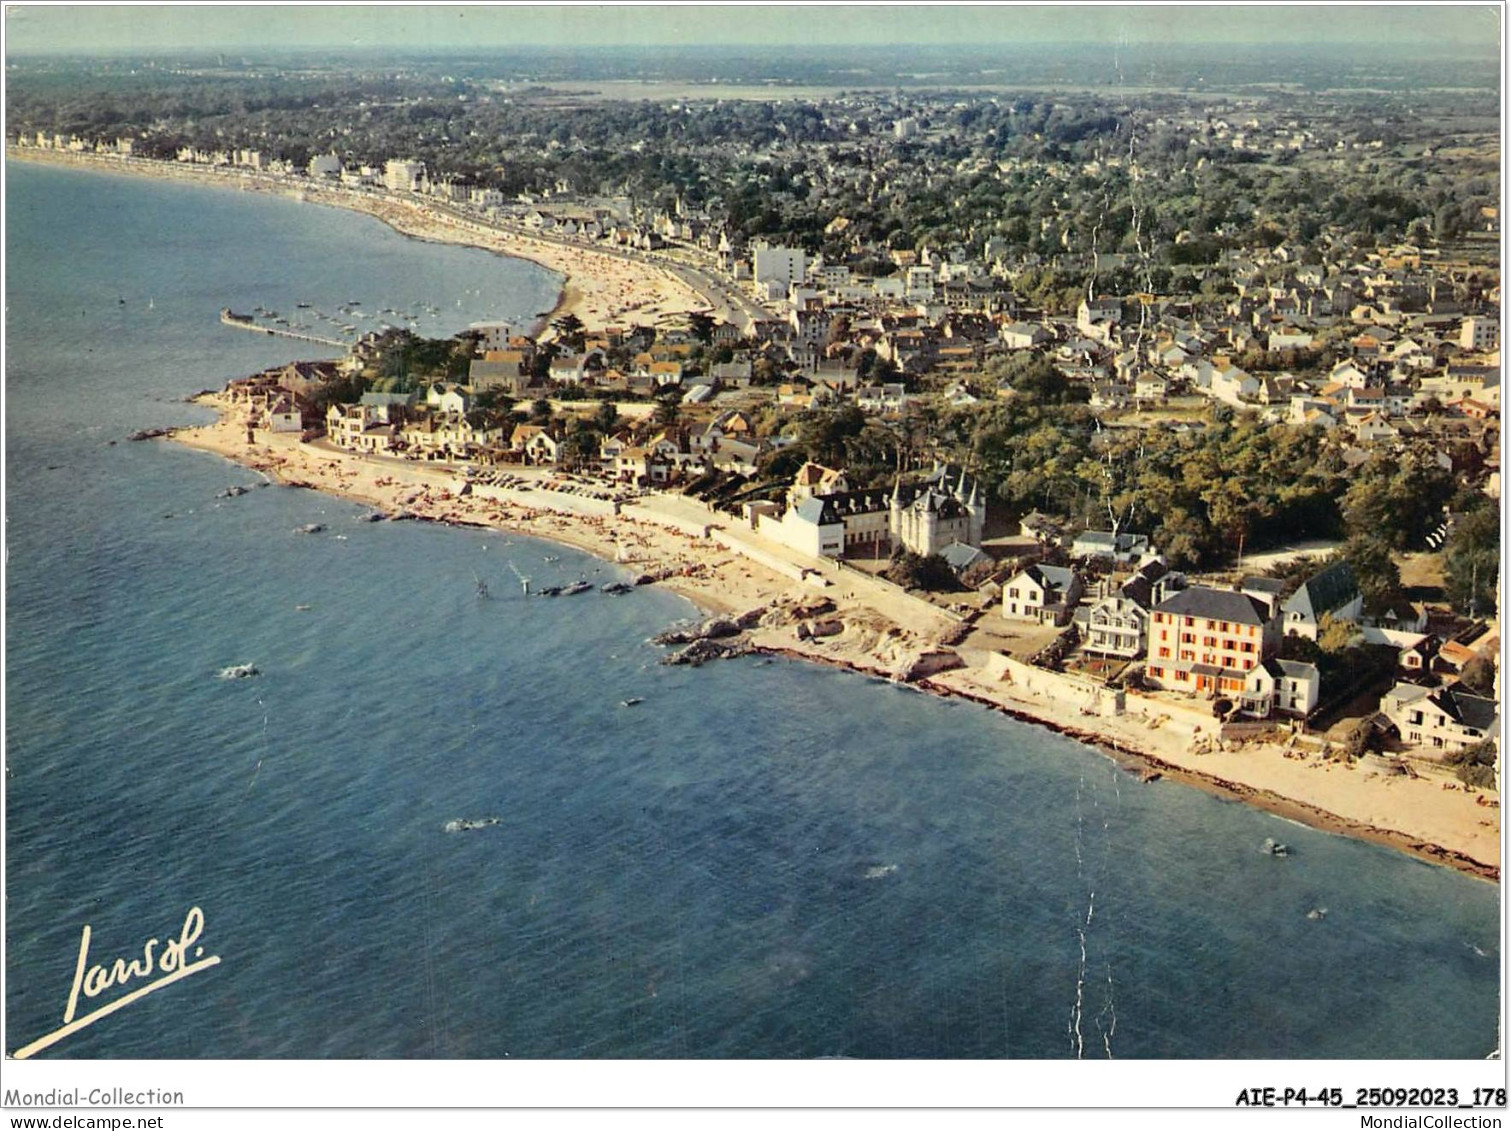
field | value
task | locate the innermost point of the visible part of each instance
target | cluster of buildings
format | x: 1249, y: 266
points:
x: 1226, y: 642
x: 1411, y: 338
x: 824, y: 518
x: 1414, y: 337
x: 439, y: 424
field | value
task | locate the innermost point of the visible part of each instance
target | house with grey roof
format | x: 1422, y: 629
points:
x: 1042, y: 527
x: 962, y: 557
x: 1207, y: 641
x: 1276, y: 686
x: 1118, y: 624
x: 821, y: 527
x: 1042, y: 594
x: 1270, y: 590
x: 1119, y: 547
x: 1333, y: 592
x: 511, y: 373
x: 1439, y: 719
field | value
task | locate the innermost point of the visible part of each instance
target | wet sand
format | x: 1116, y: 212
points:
x: 1426, y: 813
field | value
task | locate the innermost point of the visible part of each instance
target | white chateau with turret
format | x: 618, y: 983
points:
x: 935, y: 514
x: 826, y: 519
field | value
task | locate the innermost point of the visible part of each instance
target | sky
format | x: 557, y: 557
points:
x: 147, y: 28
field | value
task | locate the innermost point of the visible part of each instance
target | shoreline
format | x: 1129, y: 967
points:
x: 601, y: 286
x: 719, y: 580
x: 717, y: 577
x: 1150, y: 767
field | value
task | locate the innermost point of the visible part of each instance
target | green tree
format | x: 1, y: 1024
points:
x: 1476, y: 764
x: 1334, y: 636
x: 1478, y: 677
x: 606, y: 418
x: 668, y: 409
x: 825, y: 433
x: 917, y: 571
x: 781, y: 464
x: 1473, y: 562
x: 569, y: 330
x: 1398, y: 499
x: 1376, y: 571
x: 1034, y: 377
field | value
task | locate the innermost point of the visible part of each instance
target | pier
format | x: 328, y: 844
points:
x: 245, y: 322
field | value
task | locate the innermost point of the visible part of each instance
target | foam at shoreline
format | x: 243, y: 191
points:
x: 1434, y: 820
x: 1418, y: 816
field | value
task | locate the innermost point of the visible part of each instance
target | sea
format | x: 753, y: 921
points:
x: 762, y: 859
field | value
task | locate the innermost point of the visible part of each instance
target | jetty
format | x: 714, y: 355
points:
x: 246, y: 322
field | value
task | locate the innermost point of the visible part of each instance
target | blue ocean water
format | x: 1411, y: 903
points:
x: 761, y: 860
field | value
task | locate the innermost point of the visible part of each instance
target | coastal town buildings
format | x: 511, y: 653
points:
x: 1206, y: 641
x: 1448, y: 718
x: 824, y: 520
x: 1117, y: 547
x: 1334, y: 592
x: 403, y: 176
x: 1389, y: 346
x: 1046, y: 594
x: 1288, y: 687
x: 1117, y: 625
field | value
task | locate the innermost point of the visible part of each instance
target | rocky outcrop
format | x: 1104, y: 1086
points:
x: 752, y: 618
x: 702, y: 650
x: 717, y: 638
x: 817, y: 629
x: 921, y: 665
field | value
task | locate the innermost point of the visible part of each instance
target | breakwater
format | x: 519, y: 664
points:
x: 243, y: 322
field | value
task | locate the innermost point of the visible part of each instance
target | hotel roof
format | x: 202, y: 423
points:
x: 1215, y: 604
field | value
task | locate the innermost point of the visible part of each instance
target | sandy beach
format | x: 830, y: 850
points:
x: 719, y: 566
x: 601, y: 287
x: 1425, y: 812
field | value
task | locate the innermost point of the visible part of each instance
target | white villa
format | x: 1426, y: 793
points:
x: 1446, y: 718
x: 824, y: 520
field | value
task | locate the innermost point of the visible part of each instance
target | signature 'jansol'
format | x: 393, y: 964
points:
x: 169, y: 958
x: 98, y: 979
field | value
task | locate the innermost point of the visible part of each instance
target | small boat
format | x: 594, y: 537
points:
x: 239, y: 671
x: 467, y: 824
x: 631, y: 702
x: 301, y: 608
x: 1316, y: 914
x: 1275, y: 848
x: 576, y: 587
x: 551, y: 591
x: 310, y: 528
x: 616, y: 587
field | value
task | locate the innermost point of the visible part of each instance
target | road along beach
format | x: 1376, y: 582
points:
x: 872, y: 627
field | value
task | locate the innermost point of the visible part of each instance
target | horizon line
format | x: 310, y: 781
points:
x: 1488, y: 50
